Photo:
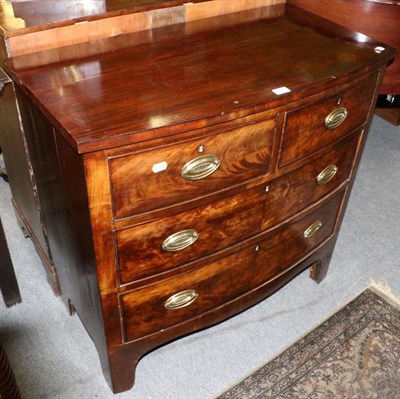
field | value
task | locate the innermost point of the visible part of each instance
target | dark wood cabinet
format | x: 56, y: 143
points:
x: 186, y: 178
x: 25, y: 195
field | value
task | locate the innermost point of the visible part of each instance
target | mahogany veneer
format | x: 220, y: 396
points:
x: 26, y: 27
x: 379, y: 19
x: 177, y: 187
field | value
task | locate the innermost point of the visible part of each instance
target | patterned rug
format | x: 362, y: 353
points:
x: 353, y: 355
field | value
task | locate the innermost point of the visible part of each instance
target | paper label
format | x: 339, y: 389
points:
x: 281, y: 90
x: 159, y: 167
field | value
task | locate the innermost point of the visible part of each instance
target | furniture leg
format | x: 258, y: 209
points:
x: 319, y: 269
x: 8, y: 282
x: 8, y: 386
x: 3, y: 172
x: 122, y: 370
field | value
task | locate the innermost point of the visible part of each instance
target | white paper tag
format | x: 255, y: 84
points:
x: 281, y: 90
x: 159, y: 167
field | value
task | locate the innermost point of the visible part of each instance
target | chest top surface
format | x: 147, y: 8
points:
x: 172, y: 79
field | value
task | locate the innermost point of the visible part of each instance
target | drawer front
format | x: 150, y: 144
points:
x: 306, y: 129
x: 162, y: 177
x: 155, y: 247
x: 173, y: 301
x: 299, y: 189
x: 293, y: 240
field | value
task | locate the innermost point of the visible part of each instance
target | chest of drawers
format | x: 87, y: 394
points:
x: 187, y: 177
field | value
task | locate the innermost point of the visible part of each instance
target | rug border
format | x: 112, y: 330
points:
x: 386, y: 295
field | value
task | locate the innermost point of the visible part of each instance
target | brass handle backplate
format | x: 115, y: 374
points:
x: 181, y: 299
x: 327, y: 174
x: 200, y: 168
x: 311, y: 230
x: 336, y: 118
x: 180, y: 240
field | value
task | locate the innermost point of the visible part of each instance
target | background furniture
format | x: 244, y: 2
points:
x: 8, y: 386
x: 25, y: 197
x: 379, y: 19
x: 8, y: 282
x: 11, y: 296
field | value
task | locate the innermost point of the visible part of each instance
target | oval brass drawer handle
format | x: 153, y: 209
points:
x: 200, y: 168
x: 311, y: 230
x: 336, y: 118
x: 327, y: 174
x: 180, y: 240
x: 181, y: 299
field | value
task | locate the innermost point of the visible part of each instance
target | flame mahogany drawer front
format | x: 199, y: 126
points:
x: 155, y: 179
x: 146, y: 310
x: 155, y: 247
x: 317, y: 125
x: 186, y: 175
x: 291, y: 242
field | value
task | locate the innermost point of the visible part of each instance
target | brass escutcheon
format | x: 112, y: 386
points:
x: 311, y: 230
x: 336, y: 118
x: 180, y: 240
x: 327, y: 174
x: 200, y: 168
x: 181, y: 299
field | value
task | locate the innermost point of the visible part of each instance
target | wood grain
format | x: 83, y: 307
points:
x: 377, y: 19
x: 219, y: 224
x: 309, y: 122
x: 213, y: 8
x: 60, y: 29
x: 217, y: 283
x: 244, y: 153
x: 102, y: 121
x: 299, y: 189
x: 22, y: 17
x: 287, y: 245
x: 95, y: 108
x: 18, y: 163
x: 225, y: 222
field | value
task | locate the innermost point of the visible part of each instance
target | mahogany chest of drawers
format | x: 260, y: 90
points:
x: 191, y: 173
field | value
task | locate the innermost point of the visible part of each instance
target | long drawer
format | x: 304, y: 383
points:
x: 293, y: 240
x: 322, y: 123
x: 158, y: 246
x: 173, y: 301
x: 168, y: 302
x: 173, y: 174
x: 155, y: 247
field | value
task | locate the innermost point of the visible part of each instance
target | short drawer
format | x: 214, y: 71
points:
x: 292, y: 241
x: 299, y: 189
x: 173, y: 174
x: 155, y: 247
x: 320, y: 124
x: 176, y: 300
